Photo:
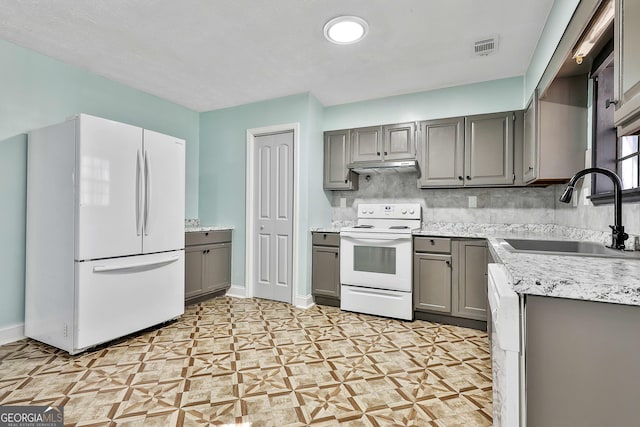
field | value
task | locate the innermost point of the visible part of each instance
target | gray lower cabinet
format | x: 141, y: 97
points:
x: 581, y: 363
x: 450, y: 277
x: 432, y: 275
x: 207, y: 262
x: 337, y: 155
x: 469, y: 297
x: 325, y: 269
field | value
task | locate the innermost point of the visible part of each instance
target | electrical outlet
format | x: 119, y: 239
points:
x: 343, y: 202
x: 473, y: 201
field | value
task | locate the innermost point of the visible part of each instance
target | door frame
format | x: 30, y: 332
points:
x: 249, y: 206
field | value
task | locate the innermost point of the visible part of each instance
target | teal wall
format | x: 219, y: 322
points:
x: 479, y: 98
x: 37, y: 91
x: 559, y: 17
x: 223, y: 170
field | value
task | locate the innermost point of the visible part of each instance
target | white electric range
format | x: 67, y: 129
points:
x: 376, y: 260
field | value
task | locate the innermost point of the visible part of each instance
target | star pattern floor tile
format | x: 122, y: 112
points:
x: 253, y: 362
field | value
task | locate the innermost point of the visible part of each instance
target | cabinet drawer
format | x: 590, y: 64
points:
x: 207, y: 237
x: 432, y: 244
x: 325, y: 239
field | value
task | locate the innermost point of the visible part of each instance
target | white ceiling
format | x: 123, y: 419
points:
x: 210, y: 54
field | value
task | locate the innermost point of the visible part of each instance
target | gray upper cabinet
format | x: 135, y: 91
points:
x: 366, y: 144
x: 441, y: 152
x: 399, y: 141
x: 469, y: 297
x: 378, y: 143
x: 474, y: 151
x: 489, y: 145
x: 337, y: 155
x: 530, y: 143
x: 627, y: 66
x: 555, y: 131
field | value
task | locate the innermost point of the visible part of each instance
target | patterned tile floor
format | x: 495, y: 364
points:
x: 262, y: 363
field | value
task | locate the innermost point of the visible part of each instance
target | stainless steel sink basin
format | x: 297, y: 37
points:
x: 564, y: 247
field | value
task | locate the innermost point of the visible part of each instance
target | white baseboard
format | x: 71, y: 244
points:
x: 11, y: 333
x: 305, y: 301
x: 237, y: 291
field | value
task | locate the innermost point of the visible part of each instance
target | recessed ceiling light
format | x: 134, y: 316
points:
x: 346, y: 29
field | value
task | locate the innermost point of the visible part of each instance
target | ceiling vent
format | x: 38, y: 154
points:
x: 486, y: 46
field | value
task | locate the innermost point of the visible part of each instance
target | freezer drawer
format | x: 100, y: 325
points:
x: 116, y: 297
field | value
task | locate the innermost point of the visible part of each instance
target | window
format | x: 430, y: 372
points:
x: 621, y: 155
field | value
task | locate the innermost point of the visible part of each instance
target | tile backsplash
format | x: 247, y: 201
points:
x: 524, y: 205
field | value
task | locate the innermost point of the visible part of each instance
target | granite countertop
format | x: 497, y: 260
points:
x: 192, y: 229
x: 607, y: 280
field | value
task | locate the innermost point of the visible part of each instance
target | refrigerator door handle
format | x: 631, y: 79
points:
x: 104, y: 269
x: 147, y: 191
x: 138, y: 192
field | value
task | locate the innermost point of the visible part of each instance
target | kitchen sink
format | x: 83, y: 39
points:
x: 564, y: 247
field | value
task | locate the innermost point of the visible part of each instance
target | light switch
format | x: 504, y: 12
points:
x: 343, y: 202
x: 473, y: 201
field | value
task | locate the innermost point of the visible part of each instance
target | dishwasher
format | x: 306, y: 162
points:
x: 507, y: 359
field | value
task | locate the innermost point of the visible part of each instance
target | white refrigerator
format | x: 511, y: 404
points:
x: 105, y: 231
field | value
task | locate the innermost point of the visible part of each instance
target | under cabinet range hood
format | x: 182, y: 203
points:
x: 399, y: 166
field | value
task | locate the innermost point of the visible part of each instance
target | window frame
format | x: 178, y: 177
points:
x: 602, y: 61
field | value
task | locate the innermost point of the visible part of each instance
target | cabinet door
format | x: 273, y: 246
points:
x: 470, y: 283
x: 217, y: 267
x: 627, y: 66
x: 489, y: 149
x: 337, y: 154
x: 530, y: 143
x: 325, y: 276
x: 441, y: 153
x: 399, y: 141
x: 365, y: 144
x: 432, y: 282
x: 193, y: 268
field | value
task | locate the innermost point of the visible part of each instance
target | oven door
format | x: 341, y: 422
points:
x: 376, y: 260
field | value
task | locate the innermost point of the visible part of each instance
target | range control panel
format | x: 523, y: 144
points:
x: 390, y: 211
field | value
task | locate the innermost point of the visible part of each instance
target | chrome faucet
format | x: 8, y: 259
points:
x: 618, y: 236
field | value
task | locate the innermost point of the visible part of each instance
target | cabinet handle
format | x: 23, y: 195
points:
x: 530, y: 168
x: 385, y: 153
x: 433, y: 242
x: 608, y: 102
x: 468, y: 178
x: 378, y: 153
x: 206, y: 234
x: 336, y: 254
x: 345, y: 181
x: 448, y: 262
x: 460, y: 178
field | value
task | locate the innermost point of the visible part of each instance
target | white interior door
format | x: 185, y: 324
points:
x: 273, y: 201
x: 109, y: 162
x: 164, y: 180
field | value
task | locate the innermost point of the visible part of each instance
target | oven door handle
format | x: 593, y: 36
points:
x: 374, y: 238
